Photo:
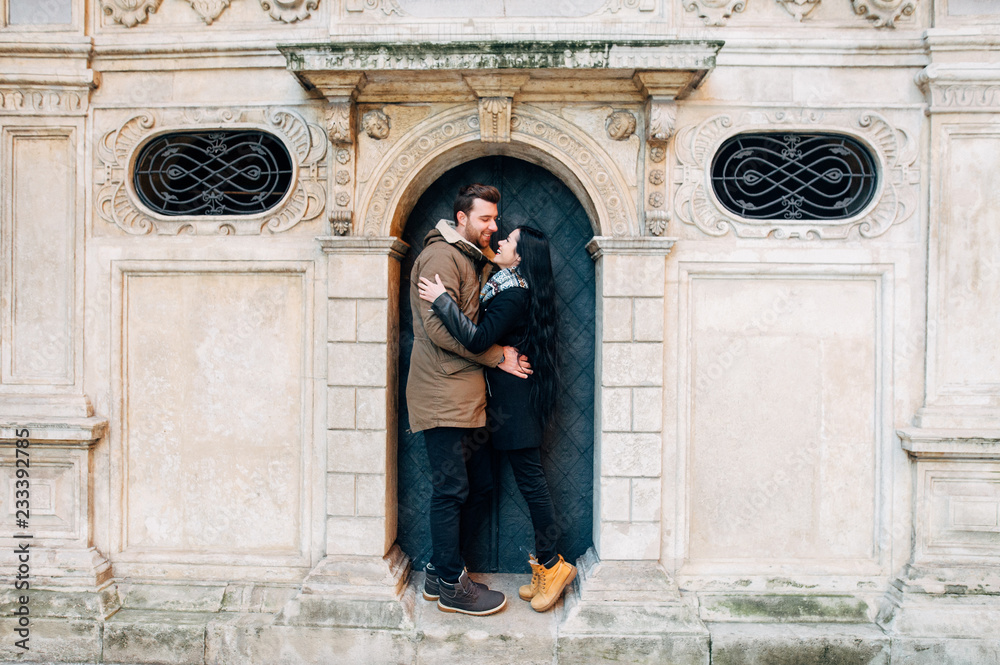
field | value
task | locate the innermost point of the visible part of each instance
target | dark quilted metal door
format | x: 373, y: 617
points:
x: 532, y: 195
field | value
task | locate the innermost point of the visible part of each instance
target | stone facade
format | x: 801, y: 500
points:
x: 797, y: 441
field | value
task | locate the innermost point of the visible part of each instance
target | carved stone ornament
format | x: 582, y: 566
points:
x: 799, y: 9
x: 494, y: 119
x: 376, y: 124
x: 340, y: 222
x: 530, y: 126
x: 386, y: 7
x: 45, y: 100
x: 117, y: 203
x: 129, y: 12
x: 656, y: 221
x: 662, y: 119
x: 209, y: 10
x: 620, y: 125
x: 974, y: 90
x: 289, y: 11
x: 883, y: 13
x: 895, y: 201
x: 657, y: 153
x: 338, y: 123
x: 615, y: 6
x: 715, y: 12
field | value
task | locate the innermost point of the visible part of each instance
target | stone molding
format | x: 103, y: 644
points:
x: 494, y: 119
x: 896, y: 200
x: 644, y: 246
x: 52, y: 94
x: 557, y: 54
x: 384, y: 8
x: 118, y: 204
x: 960, y: 444
x: 961, y: 89
x: 883, y: 13
x: 71, y: 432
x: 530, y: 125
x: 370, y: 245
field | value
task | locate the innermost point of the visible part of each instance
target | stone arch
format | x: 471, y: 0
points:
x: 452, y: 137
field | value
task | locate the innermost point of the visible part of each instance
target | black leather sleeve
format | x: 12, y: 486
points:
x: 504, y: 313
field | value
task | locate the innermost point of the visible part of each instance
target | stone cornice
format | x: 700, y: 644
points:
x: 642, y: 246
x: 407, y: 64
x: 374, y: 245
x: 973, y: 444
x: 75, y: 432
x: 961, y: 87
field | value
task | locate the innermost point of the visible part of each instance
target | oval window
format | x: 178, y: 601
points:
x: 794, y: 176
x: 225, y: 172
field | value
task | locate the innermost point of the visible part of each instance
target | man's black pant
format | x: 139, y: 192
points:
x: 462, y: 482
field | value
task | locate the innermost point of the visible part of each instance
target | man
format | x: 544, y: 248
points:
x: 446, y: 397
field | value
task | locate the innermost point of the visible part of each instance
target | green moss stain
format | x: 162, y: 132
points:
x: 786, y: 607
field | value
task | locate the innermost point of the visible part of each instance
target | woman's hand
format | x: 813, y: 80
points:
x: 429, y: 290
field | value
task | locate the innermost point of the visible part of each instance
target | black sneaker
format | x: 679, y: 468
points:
x: 467, y: 597
x: 431, y: 591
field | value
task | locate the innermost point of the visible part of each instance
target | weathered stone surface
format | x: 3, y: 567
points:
x: 147, y: 636
x: 944, y: 651
x: 798, y: 644
x: 637, y: 649
x: 55, y: 640
x: 786, y: 607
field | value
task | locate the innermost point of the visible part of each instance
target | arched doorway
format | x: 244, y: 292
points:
x: 529, y: 194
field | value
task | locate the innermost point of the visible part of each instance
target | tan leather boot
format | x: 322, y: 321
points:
x: 528, y: 591
x: 552, y: 583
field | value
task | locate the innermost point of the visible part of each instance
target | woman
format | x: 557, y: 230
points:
x: 518, y: 309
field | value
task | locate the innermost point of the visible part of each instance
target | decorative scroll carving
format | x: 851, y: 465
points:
x: 656, y: 221
x: 715, y: 12
x: 494, y: 119
x: 376, y: 124
x: 883, y: 13
x: 209, y: 10
x: 387, y: 7
x: 289, y: 11
x: 338, y: 123
x: 799, y: 9
x: 529, y: 125
x: 45, y: 100
x: 117, y: 203
x: 695, y: 204
x: 620, y: 125
x: 130, y: 12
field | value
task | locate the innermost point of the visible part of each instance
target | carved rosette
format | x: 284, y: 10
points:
x: 117, y: 203
x: 884, y: 13
x: 209, y: 10
x: 661, y: 117
x: 799, y: 9
x: 494, y: 119
x: 289, y: 11
x: 340, y: 131
x: 531, y: 126
x: 896, y: 200
x: 129, y: 12
x: 715, y: 12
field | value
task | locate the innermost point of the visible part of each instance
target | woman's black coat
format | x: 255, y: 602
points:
x: 512, y: 421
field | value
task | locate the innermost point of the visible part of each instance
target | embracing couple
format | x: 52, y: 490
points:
x: 473, y: 309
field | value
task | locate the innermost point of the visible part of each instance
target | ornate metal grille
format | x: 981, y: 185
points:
x: 794, y: 176
x: 224, y: 172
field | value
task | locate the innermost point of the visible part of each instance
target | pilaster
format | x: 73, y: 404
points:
x: 361, y: 582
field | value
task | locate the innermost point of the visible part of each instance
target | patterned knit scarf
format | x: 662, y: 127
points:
x: 508, y: 278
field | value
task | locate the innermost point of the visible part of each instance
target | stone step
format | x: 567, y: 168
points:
x: 798, y: 644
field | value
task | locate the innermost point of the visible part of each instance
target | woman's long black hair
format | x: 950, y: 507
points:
x: 540, y: 343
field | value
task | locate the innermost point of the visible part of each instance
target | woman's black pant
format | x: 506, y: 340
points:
x: 526, y: 463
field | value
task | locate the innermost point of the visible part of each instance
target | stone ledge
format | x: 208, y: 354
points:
x: 954, y: 444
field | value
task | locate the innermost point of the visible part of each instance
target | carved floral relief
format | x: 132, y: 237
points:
x: 289, y: 11
x: 129, y: 12
x: 116, y: 201
x: 209, y: 10
x: 884, y: 13
x: 695, y: 203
